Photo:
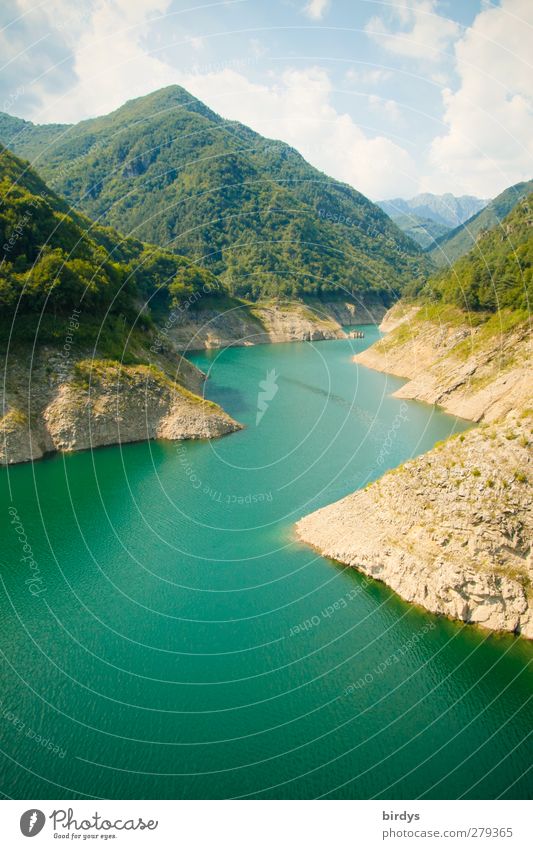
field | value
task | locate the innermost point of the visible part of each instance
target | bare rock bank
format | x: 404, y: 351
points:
x: 450, y: 531
x: 96, y: 403
x: 480, y: 372
x: 270, y: 323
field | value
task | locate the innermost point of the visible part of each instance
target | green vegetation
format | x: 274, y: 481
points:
x: 460, y: 240
x: 55, y: 261
x: 167, y: 169
x: 495, y: 276
x: 423, y: 231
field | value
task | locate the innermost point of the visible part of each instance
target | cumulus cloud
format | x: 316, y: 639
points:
x: 296, y: 107
x: 388, y: 108
x: 488, y: 142
x: 316, y: 9
x: 36, y: 58
x: 414, y: 29
x: 111, y: 61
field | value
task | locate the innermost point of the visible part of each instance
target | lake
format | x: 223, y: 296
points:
x: 169, y: 638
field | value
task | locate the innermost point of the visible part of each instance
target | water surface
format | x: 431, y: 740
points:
x: 183, y: 644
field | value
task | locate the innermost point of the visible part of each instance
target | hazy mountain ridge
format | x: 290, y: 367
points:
x: 459, y: 241
x: 424, y: 231
x: 447, y: 209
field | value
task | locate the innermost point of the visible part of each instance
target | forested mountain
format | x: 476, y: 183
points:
x: 53, y: 259
x: 459, y: 241
x: 167, y: 169
x: 497, y: 272
x: 424, y: 231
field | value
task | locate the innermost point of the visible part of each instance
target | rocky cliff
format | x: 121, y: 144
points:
x: 270, y: 323
x: 98, y: 402
x: 476, y: 371
x: 450, y: 531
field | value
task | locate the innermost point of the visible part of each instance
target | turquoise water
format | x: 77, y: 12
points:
x: 180, y: 643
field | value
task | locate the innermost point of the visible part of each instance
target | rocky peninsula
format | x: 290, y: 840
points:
x: 270, y: 322
x: 450, y: 530
x: 100, y: 402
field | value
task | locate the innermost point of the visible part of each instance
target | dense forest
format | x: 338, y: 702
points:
x: 51, y: 255
x: 458, y: 242
x: 496, y: 273
x: 167, y: 169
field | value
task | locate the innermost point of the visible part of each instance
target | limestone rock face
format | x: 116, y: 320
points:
x: 461, y: 368
x: 450, y: 531
x: 257, y: 325
x: 101, y: 403
x: 263, y: 324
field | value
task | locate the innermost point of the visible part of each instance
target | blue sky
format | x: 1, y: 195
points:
x: 392, y: 97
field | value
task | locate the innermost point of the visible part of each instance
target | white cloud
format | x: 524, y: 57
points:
x: 110, y: 61
x: 36, y: 60
x: 488, y: 142
x: 297, y: 108
x: 383, y: 106
x: 196, y: 42
x: 316, y: 9
x: 112, y: 65
x: 414, y: 29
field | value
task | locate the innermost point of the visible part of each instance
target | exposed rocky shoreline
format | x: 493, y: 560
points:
x: 98, y: 403
x: 450, y: 530
x: 270, y: 323
x: 462, y: 368
x: 89, y: 403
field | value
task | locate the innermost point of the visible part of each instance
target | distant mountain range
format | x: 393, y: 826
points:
x: 447, y: 210
x: 460, y: 240
x: 496, y: 272
x: 427, y: 217
x: 167, y: 169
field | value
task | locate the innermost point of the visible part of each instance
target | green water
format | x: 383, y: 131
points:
x: 164, y: 654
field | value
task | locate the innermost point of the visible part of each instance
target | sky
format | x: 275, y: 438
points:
x: 394, y: 98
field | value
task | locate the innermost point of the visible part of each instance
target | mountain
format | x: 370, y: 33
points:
x: 497, y: 272
x: 447, y: 210
x: 451, y: 530
x: 167, y: 169
x: 80, y: 354
x: 424, y: 231
x: 459, y: 241
x: 53, y: 258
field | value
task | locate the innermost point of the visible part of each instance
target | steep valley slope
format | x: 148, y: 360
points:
x: 452, y: 530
